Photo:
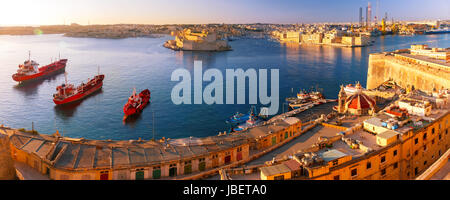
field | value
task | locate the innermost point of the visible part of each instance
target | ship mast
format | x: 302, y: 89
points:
x: 65, y: 77
x: 29, y: 55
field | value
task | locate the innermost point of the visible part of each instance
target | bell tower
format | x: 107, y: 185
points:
x: 341, y: 100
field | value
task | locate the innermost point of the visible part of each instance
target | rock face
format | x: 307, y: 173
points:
x: 7, y: 170
x: 383, y: 67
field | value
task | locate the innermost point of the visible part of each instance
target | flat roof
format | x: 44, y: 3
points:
x: 275, y: 170
x: 387, y: 134
x: 332, y: 154
x: 374, y: 121
x: 426, y: 59
x: 367, y: 139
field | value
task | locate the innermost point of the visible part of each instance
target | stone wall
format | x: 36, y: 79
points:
x: 7, y: 170
x: 383, y: 67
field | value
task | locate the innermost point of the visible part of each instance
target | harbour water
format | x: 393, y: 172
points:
x: 145, y: 63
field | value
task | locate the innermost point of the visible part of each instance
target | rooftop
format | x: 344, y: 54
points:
x: 275, y: 170
x: 387, y: 134
x: 427, y: 59
x: 68, y: 153
x: 332, y: 154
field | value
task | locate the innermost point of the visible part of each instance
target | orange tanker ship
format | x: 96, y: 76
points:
x: 67, y: 93
x: 29, y: 70
x: 136, y: 103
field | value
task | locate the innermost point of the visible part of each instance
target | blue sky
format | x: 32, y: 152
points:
x: 208, y: 11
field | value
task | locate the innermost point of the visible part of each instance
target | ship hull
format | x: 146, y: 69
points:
x: 130, y: 111
x: 437, y: 32
x: 79, y: 96
x: 60, y: 67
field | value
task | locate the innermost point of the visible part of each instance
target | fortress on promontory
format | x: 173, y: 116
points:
x: 189, y: 40
x: 419, y: 67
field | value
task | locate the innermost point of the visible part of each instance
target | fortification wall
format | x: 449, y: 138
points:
x: 7, y: 170
x: 384, y: 67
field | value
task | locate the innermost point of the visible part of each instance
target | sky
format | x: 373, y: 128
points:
x: 49, y: 12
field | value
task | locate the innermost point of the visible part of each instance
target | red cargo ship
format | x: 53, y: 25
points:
x: 29, y: 70
x: 67, y: 93
x: 136, y: 103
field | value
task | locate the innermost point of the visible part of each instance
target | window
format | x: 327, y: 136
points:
x: 395, y: 165
x: 424, y: 148
x: 416, y: 171
x: 416, y: 140
x: 383, y: 172
x: 440, y: 153
x: 156, y: 172
x: 187, y: 167
x: 140, y: 174
x: 201, y: 164
x: 432, y: 131
x: 432, y: 141
x: 383, y: 159
x: 425, y: 163
x: 395, y: 152
x: 281, y: 177
x: 416, y: 152
x: 424, y: 136
x: 336, y: 177
x: 440, y: 136
x: 173, y: 170
x: 354, y: 172
x: 335, y: 162
x: 369, y: 165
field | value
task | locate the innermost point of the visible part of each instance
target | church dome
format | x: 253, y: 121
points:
x: 360, y: 101
x: 356, y: 104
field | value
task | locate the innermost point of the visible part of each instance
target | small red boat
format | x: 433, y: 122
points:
x: 67, y: 93
x: 136, y: 103
x: 29, y: 70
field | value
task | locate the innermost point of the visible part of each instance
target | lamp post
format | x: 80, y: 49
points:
x: 153, y: 125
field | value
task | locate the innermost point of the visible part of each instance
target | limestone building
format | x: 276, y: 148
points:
x: 357, y: 103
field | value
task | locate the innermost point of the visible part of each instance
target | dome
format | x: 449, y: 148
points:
x: 360, y: 101
x: 356, y: 104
